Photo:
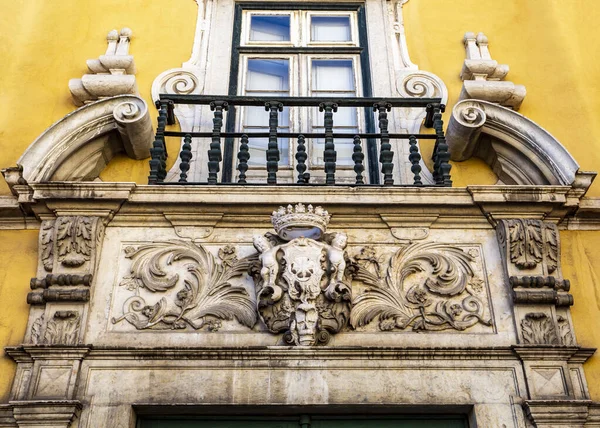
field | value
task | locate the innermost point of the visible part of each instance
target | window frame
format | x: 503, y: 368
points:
x: 242, y: 47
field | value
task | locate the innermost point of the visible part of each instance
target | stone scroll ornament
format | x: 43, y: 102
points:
x: 428, y: 286
x: 300, y: 278
x: 206, y: 295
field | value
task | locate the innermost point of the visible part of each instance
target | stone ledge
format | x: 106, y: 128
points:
x: 130, y: 204
x: 557, y: 413
x: 89, y: 352
x: 46, y: 413
x: 572, y: 354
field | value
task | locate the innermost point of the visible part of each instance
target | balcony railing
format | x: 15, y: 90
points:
x: 219, y: 142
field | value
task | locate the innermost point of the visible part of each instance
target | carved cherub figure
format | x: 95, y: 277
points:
x: 335, y: 254
x: 270, y: 267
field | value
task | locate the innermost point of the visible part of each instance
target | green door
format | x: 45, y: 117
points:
x: 307, y: 422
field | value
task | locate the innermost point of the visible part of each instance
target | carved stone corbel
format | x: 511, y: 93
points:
x: 482, y: 76
x: 530, y: 251
x: 69, y: 248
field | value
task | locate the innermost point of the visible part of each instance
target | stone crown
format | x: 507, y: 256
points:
x: 300, y: 220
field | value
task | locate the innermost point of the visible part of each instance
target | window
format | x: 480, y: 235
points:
x: 298, y: 53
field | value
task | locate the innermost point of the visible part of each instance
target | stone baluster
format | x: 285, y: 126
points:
x: 214, y: 153
x: 273, y: 107
x: 385, y: 155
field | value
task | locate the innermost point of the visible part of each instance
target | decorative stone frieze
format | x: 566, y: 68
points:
x: 482, y: 76
x: 110, y: 74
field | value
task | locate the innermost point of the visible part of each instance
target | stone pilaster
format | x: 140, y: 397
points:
x: 551, y: 358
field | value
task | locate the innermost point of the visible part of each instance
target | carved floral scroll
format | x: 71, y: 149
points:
x: 428, y: 286
x: 201, y: 298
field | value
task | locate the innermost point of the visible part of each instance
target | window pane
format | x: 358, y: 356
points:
x: 268, y: 75
x: 332, y: 75
x: 343, y: 147
x: 269, y: 28
x: 257, y: 147
x: 330, y: 29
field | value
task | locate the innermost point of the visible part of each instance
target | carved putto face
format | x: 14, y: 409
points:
x: 261, y: 243
x: 339, y: 241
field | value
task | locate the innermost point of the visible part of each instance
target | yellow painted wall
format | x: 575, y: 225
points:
x: 550, y: 46
x: 581, y: 264
x: 44, y: 43
x: 17, y: 266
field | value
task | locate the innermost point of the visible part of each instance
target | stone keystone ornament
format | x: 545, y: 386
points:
x: 301, y: 290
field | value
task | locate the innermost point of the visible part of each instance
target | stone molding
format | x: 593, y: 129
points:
x: 483, y: 77
x: 423, y: 208
x: 46, y: 413
x: 558, y: 413
x: 71, y: 149
x: 109, y: 75
x: 518, y: 150
x: 558, y: 204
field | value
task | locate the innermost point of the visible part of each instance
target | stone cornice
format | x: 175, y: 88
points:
x: 89, y: 352
x: 129, y: 204
x: 572, y: 354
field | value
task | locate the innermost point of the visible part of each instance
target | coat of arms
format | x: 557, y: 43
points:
x: 301, y: 289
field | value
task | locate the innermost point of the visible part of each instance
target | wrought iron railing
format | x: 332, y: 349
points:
x: 219, y: 138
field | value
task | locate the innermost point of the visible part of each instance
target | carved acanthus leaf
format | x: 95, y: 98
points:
x: 47, y: 244
x: 526, y: 242
x: 551, y: 248
x: 63, y: 329
x: 564, y: 329
x: 36, y: 330
x: 538, y: 328
x: 440, y: 300
x: 206, y: 289
x: 74, y: 240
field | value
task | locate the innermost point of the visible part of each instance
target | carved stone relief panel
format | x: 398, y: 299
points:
x: 427, y: 286
x: 180, y: 285
x: 302, y: 284
x: 538, y: 328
